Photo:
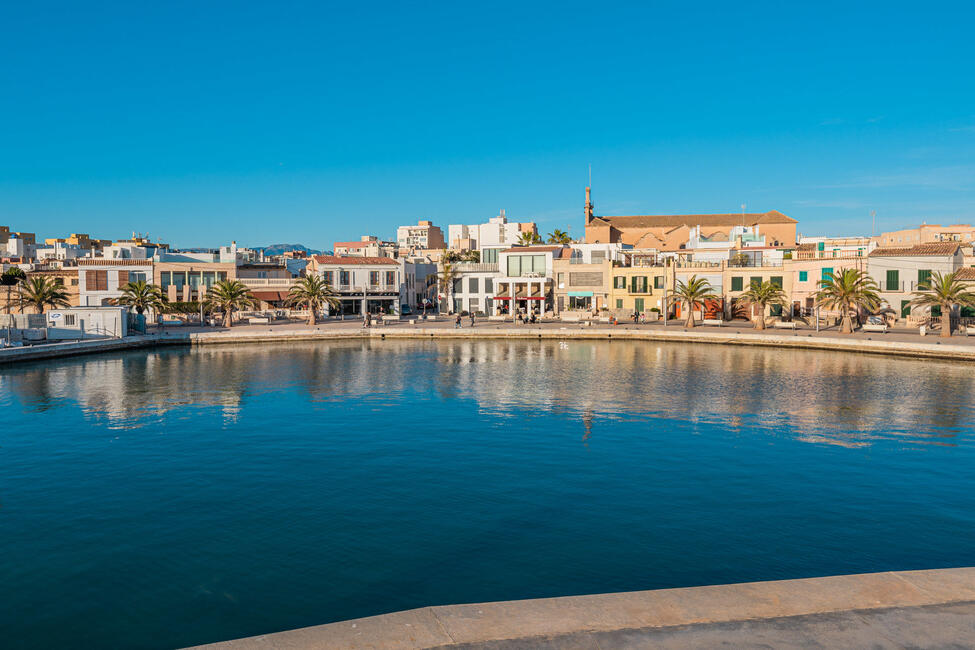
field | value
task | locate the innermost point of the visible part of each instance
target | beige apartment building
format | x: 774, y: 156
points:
x: 927, y: 234
x: 188, y: 281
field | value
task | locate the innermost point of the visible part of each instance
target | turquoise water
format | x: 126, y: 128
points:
x: 180, y: 497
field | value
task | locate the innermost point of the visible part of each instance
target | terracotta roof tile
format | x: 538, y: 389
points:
x: 337, y: 259
x: 966, y: 273
x: 934, y: 249
x: 675, y: 220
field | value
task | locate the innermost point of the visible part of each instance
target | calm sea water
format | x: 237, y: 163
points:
x: 181, y: 497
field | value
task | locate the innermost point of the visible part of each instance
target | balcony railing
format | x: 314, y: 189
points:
x: 476, y: 267
x: 368, y: 288
x: 828, y: 255
x: 268, y: 282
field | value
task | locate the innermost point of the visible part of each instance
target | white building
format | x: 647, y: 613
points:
x: 898, y: 271
x: 422, y: 236
x: 87, y: 322
x: 474, y: 288
x: 367, y: 284
x: 101, y: 280
x: 497, y: 232
x: 60, y: 251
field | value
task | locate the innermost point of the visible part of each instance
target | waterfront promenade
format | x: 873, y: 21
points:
x: 904, y: 343
x: 905, y: 609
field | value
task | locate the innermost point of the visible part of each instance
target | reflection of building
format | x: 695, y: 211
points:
x: 100, y: 280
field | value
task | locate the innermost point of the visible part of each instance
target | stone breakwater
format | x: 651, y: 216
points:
x: 935, y: 349
x: 893, y: 609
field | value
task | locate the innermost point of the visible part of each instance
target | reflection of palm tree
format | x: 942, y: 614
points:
x: 762, y: 295
x: 945, y: 291
x: 850, y: 289
x: 693, y: 293
x: 40, y: 292
x: 313, y: 292
x: 229, y: 296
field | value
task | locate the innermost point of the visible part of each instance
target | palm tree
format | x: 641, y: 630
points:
x: 10, y: 279
x: 229, y: 296
x: 314, y: 292
x: 559, y: 237
x: 41, y: 292
x: 849, y: 290
x: 763, y: 295
x: 445, y: 283
x: 946, y: 291
x: 693, y: 293
x: 142, y: 296
x: 529, y: 238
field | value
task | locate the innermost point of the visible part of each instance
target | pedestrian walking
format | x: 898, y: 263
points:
x: 457, y: 323
x: 472, y: 319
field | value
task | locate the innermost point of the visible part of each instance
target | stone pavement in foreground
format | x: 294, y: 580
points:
x: 908, y: 609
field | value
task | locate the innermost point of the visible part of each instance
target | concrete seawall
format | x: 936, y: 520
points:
x: 894, y: 609
x: 950, y: 350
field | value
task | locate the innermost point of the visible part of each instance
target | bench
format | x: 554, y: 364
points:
x: 259, y: 320
x: 875, y: 327
x: 785, y: 325
x: 717, y: 322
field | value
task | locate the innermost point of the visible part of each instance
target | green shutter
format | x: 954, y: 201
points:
x: 736, y: 282
x: 923, y: 275
x: 619, y: 303
x: 756, y: 281
x: 893, y: 280
x: 936, y: 311
x: 639, y: 304
x: 827, y: 272
x: 776, y: 280
x: 803, y: 276
x: 905, y: 308
x: 658, y: 282
x: 776, y: 310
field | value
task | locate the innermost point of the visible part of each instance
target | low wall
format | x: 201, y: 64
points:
x: 934, y: 350
x: 531, y: 622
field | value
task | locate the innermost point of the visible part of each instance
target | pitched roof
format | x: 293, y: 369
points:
x: 966, y: 273
x: 935, y: 249
x: 353, y: 244
x: 672, y: 220
x: 345, y: 261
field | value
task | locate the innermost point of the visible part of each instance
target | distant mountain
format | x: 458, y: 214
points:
x: 278, y: 249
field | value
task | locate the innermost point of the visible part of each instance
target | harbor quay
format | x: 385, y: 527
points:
x: 901, y: 609
x: 905, y: 343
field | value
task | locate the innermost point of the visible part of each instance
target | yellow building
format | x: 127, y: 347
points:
x: 639, y: 289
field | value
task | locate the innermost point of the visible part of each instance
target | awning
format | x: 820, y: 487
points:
x: 531, y: 297
x: 501, y: 298
x: 581, y: 294
x: 270, y: 296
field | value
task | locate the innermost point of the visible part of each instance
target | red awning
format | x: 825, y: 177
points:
x: 501, y: 298
x: 270, y: 296
x: 531, y: 297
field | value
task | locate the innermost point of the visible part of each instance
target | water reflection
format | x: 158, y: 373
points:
x: 817, y: 397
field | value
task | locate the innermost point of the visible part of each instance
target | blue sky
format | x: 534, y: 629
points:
x: 202, y: 122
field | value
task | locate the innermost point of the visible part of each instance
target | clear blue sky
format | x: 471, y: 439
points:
x: 202, y: 122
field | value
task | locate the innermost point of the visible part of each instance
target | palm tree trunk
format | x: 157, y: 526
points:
x: 945, y: 321
x: 228, y: 318
x: 311, y: 313
x: 690, y: 316
x: 760, y: 321
x: 847, y: 324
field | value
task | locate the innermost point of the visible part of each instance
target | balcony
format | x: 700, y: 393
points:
x: 476, y: 267
x: 260, y: 283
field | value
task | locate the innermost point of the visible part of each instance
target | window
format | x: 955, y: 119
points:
x: 755, y: 281
x: 776, y: 280
x: 96, y: 280
x: 923, y: 275
x: 475, y: 304
x: 123, y: 278
x: 373, y: 277
x: 458, y: 285
x: 560, y: 278
x: 619, y: 303
x: 658, y: 282
x: 165, y: 278
x: 736, y: 283
x: 905, y: 308
x: 619, y: 282
x: 638, y: 284
x: 893, y: 280
x: 344, y: 278
x: 390, y: 278
x: 222, y: 276
x: 137, y: 276
x: 803, y: 276
x: 598, y: 257
x: 489, y: 256
x: 472, y: 285
x: 521, y: 265
x: 827, y: 272
x: 69, y: 320
x: 327, y: 276
x: 776, y: 310
x: 488, y: 285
